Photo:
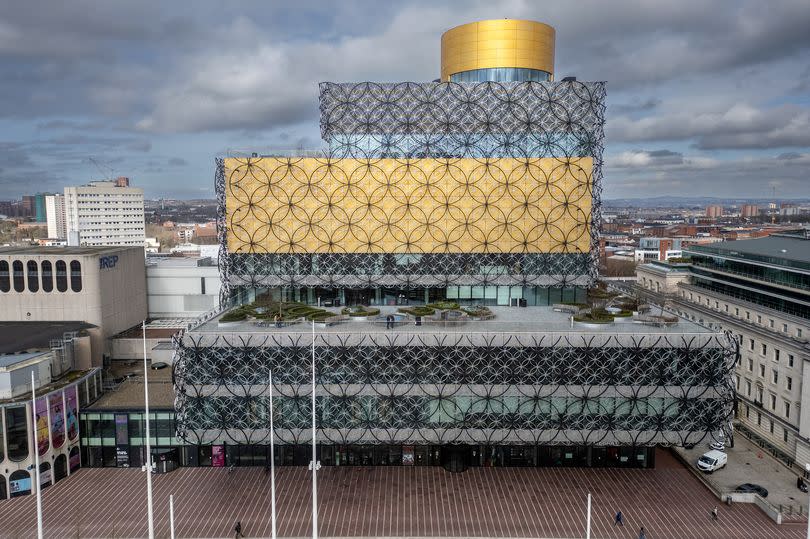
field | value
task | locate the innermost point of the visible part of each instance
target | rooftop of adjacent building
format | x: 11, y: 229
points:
x: 507, y: 320
x: 9, y: 360
x: 64, y: 250
x: 129, y: 391
x: 24, y: 336
x: 785, y: 247
x: 181, y: 261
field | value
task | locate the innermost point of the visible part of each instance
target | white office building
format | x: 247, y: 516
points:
x: 55, y: 215
x: 105, y: 213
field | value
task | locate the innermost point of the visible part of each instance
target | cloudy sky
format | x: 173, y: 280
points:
x: 705, y: 97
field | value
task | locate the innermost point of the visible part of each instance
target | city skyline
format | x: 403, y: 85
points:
x: 700, y: 104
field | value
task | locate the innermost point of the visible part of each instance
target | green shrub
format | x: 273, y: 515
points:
x: 237, y: 315
x: 443, y: 305
x: 360, y: 310
x: 319, y: 316
x: 479, y: 312
x: 417, y: 311
x: 622, y: 314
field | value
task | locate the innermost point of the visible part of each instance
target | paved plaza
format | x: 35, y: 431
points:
x: 398, y: 501
x: 748, y: 463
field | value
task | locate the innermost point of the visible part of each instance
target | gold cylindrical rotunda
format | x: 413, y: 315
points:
x: 500, y: 50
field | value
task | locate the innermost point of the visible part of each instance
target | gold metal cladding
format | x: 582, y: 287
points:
x: 497, y: 43
x: 465, y: 205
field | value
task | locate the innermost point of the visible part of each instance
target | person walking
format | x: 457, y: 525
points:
x: 714, y: 513
x: 238, y: 530
x: 642, y: 533
x: 619, y: 519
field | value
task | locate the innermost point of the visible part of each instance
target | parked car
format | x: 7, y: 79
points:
x: 752, y: 487
x: 718, y: 446
x: 712, y: 460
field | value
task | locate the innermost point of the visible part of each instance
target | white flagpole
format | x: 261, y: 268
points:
x: 36, y: 457
x: 148, y: 467
x: 314, y: 446
x: 171, y: 514
x: 272, y: 459
x: 588, y: 529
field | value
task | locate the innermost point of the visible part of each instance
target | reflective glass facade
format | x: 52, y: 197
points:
x: 501, y: 74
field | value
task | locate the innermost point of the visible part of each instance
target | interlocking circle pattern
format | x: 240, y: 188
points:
x: 454, y: 389
x: 426, y: 185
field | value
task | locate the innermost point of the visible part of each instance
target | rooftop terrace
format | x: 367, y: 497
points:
x: 511, y: 320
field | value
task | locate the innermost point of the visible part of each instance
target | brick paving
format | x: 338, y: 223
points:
x: 392, y: 502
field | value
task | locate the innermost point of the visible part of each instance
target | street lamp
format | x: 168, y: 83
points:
x: 272, y: 456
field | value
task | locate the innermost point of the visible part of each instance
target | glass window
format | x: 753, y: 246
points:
x: 75, y: 276
x: 5, y: 278
x: 47, y: 276
x: 776, y: 354
x: 789, y: 382
x: 773, y: 402
x: 16, y: 432
x: 19, y: 279
x: 790, y: 360
x: 61, y: 276
x: 33, y: 276
x: 775, y: 376
x: 787, y: 410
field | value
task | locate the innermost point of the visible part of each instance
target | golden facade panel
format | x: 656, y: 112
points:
x: 464, y: 205
x: 497, y: 43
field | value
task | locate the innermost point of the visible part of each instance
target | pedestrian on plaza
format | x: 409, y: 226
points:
x: 714, y: 513
x: 238, y: 529
x: 389, y: 321
x: 642, y: 533
x: 619, y: 519
x: 277, y: 320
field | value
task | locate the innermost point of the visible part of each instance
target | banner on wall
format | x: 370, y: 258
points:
x: 41, y: 418
x: 44, y: 477
x: 71, y: 407
x: 20, y: 485
x: 218, y: 456
x: 57, y: 419
x: 75, y: 459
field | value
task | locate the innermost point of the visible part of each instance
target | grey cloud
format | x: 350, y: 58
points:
x: 748, y: 177
x: 738, y: 126
x: 177, y: 162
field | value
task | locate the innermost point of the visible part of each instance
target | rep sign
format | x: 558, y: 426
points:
x: 107, y: 262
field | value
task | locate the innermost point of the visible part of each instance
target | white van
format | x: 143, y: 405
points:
x: 712, y: 460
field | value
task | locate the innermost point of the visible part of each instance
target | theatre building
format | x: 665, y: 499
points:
x: 444, y: 243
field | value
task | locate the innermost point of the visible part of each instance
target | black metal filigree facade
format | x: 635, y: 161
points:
x: 411, y: 124
x: 405, y: 388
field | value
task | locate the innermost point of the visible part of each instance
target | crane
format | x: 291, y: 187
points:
x: 101, y: 168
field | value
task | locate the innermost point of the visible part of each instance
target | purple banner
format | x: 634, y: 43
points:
x: 218, y: 456
x: 71, y: 407
x: 57, y: 419
x: 41, y: 420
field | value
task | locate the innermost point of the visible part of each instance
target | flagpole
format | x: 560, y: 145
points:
x: 272, y: 458
x: 171, y: 514
x: 588, y: 529
x: 148, y: 443
x: 314, y: 447
x: 36, y: 457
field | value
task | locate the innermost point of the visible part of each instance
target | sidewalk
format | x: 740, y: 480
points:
x: 748, y: 463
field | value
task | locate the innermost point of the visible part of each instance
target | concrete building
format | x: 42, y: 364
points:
x: 749, y: 210
x: 759, y: 290
x: 55, y: 212
x: 103, y: 286
x: 714, y: 211
x: 50, y: 427
x: 181, y: 287
x: 105, y: 213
